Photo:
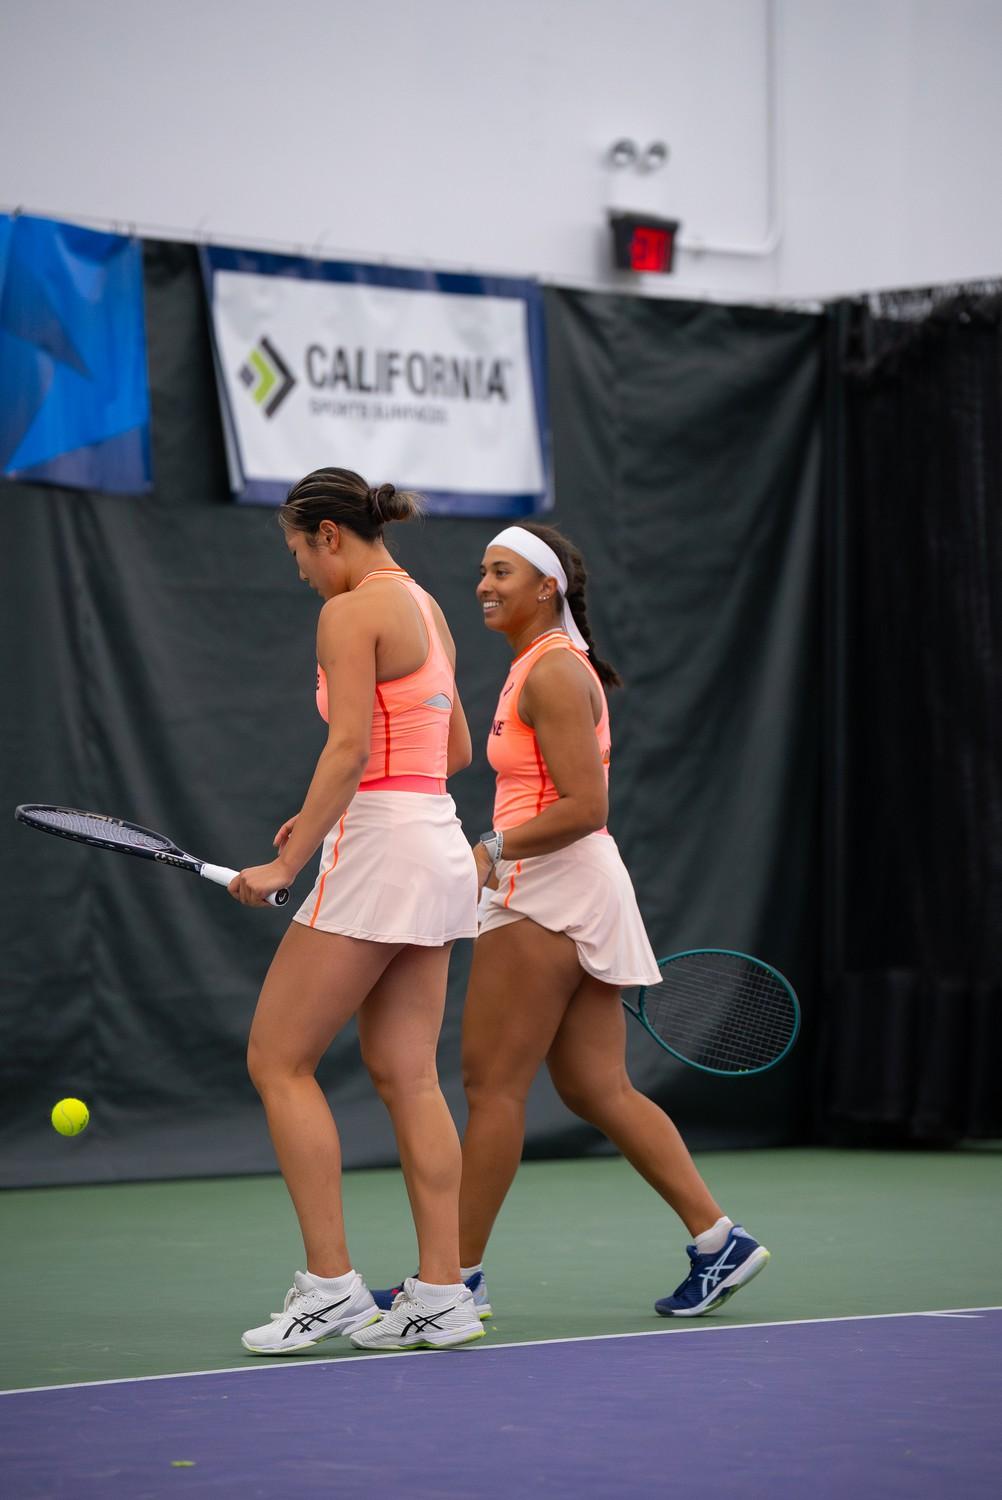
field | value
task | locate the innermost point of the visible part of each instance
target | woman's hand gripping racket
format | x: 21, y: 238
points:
x: 103, y: 832
x: 720, y: 1011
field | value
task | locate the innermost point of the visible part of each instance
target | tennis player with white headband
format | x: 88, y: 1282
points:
x: 560, y: 932
x: 543, y: 558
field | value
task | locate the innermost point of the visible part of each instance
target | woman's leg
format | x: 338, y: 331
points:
x: 316, y: 983
x: 587, y: 1062
x: 521, y: 981
x: 398, y: 1027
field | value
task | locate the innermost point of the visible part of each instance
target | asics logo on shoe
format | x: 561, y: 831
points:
x: 719, y: 1268
x: 417, y: 1324
x: 307, y: 1321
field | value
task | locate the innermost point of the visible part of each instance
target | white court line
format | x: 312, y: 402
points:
x: 948, y: 1315
x: 302, y: 1362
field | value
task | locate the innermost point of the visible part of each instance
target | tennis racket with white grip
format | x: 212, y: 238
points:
x: 103, y: 832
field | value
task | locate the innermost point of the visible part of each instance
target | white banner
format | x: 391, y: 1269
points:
x: 433, y: 382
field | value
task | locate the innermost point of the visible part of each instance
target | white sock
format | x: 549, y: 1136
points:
x: 332, y: 1283
x: 434, y: 1293
x: 714, y: 1238
x: 467, y: 1271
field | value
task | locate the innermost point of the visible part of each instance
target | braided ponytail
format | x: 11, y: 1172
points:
x: 577, y: 579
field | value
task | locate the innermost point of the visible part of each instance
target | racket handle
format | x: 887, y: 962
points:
x: 220, y: 875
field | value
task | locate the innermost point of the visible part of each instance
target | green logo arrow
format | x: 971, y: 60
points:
x: 267, y: 377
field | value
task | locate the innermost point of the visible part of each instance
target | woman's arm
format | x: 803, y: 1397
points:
x: 347, y: 635
x: 556, y: 700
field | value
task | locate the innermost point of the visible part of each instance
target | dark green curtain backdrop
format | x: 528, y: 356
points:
x: 912, y: 1036
x: 157, y: 662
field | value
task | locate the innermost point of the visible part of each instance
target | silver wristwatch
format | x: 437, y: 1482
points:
x: 493, y: 842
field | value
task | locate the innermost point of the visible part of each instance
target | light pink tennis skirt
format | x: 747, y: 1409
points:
x: 397, y: 868
x: 585, y: 892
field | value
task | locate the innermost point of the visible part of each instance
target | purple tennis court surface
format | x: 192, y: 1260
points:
x: 898, y: 1406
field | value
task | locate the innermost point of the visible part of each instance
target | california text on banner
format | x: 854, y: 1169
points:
x: 433, y: 381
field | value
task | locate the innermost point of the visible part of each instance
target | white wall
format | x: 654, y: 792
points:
x: 472, y: 132
x: 893, y: 121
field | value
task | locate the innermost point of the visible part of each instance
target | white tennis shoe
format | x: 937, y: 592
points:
x: 414, y: 1324
x: 310, y: 1314
x: 477, y: 1283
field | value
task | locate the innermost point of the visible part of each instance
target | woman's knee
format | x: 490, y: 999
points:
x: 591, y: 1098
x: 257, y: 1064
x: 486, y: 1089
x: 396, y: 1077
x: 473, y: 1070
x: 490, y: 1071
x: 269, y: 1070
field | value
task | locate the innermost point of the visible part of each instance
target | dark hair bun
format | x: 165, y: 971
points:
x: 342, y: 496
x: 387, y: 503
x: 380, y: 500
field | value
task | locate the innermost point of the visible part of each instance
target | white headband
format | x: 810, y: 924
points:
x: 543, y: 557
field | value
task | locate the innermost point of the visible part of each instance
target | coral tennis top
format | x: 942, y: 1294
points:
x: 410, y: 717
x: 524, y: 785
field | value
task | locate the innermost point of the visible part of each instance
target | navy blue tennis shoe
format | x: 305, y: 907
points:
x: 477, y: 1284
x: 712, y: 1278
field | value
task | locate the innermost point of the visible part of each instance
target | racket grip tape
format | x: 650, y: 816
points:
x: 220, y: 875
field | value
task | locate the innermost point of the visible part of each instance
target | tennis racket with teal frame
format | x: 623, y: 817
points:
x: 720, y: 1011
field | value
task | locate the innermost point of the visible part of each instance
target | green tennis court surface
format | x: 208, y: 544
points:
x: 156, y: 1278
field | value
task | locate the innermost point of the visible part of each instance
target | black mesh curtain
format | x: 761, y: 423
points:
x: 913, y: 1036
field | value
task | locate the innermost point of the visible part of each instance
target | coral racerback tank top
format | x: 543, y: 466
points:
x: 524, y: 785
x: 411, y: 715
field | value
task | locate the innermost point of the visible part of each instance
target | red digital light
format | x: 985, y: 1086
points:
x: 650, y: 249
x: 643, y: 243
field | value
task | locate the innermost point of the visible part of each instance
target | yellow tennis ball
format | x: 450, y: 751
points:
x: 70, y: 1116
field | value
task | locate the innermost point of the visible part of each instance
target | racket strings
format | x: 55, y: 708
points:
x: 722, y: 1012
x: 74, y: 824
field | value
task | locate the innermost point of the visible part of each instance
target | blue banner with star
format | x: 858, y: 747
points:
x: 74, y: 391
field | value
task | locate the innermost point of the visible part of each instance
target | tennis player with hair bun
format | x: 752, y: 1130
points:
x: 560, y: 933
x: 397, y: 885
